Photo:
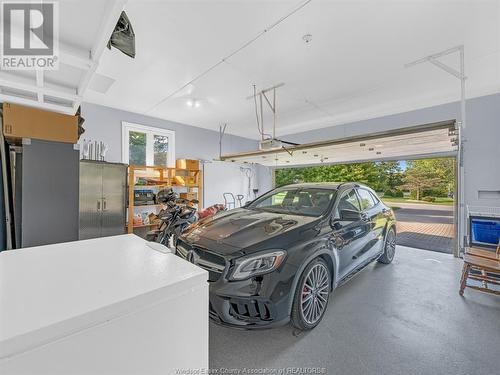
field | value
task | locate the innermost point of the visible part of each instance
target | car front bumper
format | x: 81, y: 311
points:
x: 258, y: 302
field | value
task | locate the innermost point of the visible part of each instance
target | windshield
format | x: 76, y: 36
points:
x: 295, y: 201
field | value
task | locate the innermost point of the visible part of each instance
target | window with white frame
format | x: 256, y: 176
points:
x: 147, y: 145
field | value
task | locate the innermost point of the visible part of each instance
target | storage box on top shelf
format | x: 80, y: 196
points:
x: 187, y: 164
x: 26, y: 122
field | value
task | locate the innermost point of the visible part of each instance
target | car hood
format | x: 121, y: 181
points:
x: 243, y: 228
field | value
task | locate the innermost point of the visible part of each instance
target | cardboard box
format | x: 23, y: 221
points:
x: 187, y: 164
x: 27, y: 122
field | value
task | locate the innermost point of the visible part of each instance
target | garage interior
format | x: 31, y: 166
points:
x: 146, y: 127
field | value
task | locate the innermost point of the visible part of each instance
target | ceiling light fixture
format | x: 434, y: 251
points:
x: 193, y: 103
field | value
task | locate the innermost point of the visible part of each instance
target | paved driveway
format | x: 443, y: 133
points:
x: 425, y: 226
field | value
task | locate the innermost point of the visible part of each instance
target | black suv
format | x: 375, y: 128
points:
x: 278, y: 258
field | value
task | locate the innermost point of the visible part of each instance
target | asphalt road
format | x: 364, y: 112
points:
x: 425, y: 226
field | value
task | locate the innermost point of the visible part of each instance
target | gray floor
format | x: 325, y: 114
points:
x: 404, y: 318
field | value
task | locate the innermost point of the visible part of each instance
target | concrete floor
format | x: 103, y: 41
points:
x: 403, y: 318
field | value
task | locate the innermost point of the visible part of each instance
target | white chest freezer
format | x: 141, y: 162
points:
x: 109, y: 305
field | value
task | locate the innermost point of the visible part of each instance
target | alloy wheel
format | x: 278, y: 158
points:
x: 390, y: 245
x: 314, y: 296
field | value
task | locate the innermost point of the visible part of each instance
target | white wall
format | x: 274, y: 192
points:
x: 481, y: 149
x: 224, y: 177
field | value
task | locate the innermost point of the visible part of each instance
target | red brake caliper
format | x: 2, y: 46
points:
x: 304, y: 291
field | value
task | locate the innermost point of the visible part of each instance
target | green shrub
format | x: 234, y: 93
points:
x: 398, y: 194
x: 429, y: 199
x: 393, y: 194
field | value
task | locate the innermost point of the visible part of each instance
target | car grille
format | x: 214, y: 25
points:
x: 213, y: 263
x: 246, y: 310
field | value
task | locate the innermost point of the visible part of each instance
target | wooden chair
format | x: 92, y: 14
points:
x: 486, y: 269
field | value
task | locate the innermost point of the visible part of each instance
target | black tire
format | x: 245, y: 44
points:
x: 389, y: 247
x: 318, y: 296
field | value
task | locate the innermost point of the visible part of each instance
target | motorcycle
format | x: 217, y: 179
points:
x: 175, y: 218
x: 178, y: 215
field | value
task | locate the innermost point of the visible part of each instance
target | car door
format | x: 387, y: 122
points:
x: 374, y: 225
x: 347, y: 236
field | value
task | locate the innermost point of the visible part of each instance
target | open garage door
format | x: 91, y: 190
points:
x: 431, y: 140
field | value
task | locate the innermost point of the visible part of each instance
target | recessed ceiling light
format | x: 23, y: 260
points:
x: 193, y: 103
x: 307, y: 38
x: 378, y: 152
x: 371, y: 149
x: 362, y: 144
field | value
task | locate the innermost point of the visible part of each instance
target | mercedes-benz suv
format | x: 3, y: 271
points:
x: 278, y: 258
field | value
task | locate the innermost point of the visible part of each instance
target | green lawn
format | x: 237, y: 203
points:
x: 441, y: 201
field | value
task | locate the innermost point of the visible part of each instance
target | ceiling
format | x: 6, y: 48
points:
x: 430, y: 140
x: 84, y: 29
x: 210, y: 53
x: 352, y: 69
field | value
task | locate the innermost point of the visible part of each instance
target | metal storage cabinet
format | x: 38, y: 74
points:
x: 103, y: 189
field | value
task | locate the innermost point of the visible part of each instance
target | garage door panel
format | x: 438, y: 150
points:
x: 426, y: 140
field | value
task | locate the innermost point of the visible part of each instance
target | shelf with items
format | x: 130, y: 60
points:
x: 187, y: 182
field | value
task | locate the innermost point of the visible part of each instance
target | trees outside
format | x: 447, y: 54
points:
x: 366, y: 173
x: 437, y: 174
x: 390, y: 175
x: 418, y: 180
x: 423, y: 178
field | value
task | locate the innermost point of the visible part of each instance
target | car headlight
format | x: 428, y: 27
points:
x: 257, y: 265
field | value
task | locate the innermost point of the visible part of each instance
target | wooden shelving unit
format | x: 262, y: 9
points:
x: 181, y: 180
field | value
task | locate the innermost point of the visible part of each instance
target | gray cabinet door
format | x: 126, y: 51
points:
x: 90, y: 200
x: 49, y: 193
x: 114, y: 184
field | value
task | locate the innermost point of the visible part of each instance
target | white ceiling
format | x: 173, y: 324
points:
x: 352, y: 69
x: 84, y: 29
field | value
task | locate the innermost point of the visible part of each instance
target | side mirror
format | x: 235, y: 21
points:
x: 350, y: 215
